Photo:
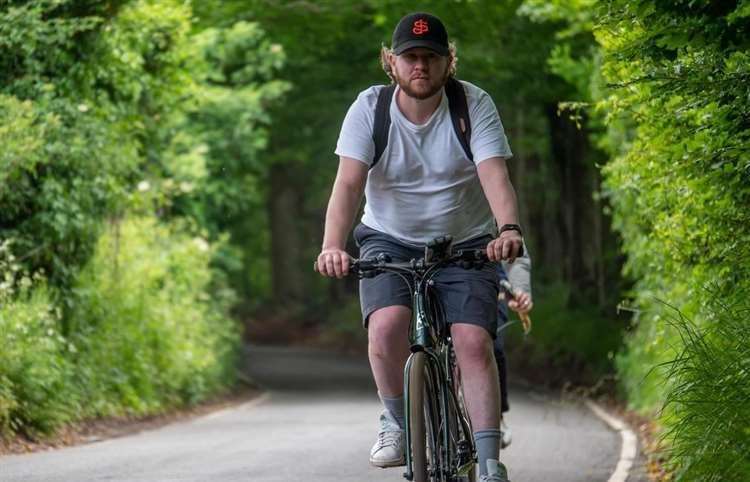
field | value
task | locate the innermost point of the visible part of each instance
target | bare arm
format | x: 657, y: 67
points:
x: 342, y: 207
x: 493, y: 175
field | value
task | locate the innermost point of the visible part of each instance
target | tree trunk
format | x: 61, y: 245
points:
x: 568, y: 144
x: 601, y: 293
x: 286, y: 244
x: 519, y: 165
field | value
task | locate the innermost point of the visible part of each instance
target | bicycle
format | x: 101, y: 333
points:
x: 438, y: 429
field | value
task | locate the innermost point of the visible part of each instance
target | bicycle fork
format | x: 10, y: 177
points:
x: 409, y: 474
x: 435, y: 389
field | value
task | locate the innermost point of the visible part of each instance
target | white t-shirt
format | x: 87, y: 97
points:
x: 424, y: 186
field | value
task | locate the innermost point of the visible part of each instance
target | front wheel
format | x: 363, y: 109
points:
x: 422, y: 422
x: 460, y: 429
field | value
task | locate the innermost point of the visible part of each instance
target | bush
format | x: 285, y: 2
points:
x: 33, y: 366
x: 708, y: 410
x: 569, y: 342
x: 144, y: 333
x: 33, y: 363
x: 98, y: 102
x: 147, y: 332
x: 679, y: 188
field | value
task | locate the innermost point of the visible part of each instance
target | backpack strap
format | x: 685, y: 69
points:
x: 382, y: 122
x: 457, y: 104
x: 459, y: 108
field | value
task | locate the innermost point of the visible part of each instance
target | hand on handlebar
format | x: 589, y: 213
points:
x: 508, y: 246
x: 333, y: 263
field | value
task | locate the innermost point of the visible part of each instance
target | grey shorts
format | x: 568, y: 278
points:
x: 467, y: 295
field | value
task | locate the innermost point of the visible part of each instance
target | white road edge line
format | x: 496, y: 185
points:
x: 629, y: 442
x: 252, y: 403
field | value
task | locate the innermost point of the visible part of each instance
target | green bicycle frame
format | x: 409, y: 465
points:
x: 424, y: 338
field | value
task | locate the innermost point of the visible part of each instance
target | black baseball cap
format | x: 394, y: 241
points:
x: 420, y: 30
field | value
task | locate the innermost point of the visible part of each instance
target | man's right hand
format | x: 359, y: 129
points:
x: 333, y: 263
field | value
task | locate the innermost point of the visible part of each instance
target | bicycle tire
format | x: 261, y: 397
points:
x: 422, y: 441
x: 457, y: 409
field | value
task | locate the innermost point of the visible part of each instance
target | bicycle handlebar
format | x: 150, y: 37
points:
x: 366, y: 267
x: 439, y: 248
x: 466, y: 258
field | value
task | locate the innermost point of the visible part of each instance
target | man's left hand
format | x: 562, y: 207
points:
x: 505, y: 247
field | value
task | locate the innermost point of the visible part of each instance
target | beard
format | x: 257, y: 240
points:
x: 421, y: 89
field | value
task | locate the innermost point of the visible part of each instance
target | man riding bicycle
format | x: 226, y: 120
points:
x: 439, y: 173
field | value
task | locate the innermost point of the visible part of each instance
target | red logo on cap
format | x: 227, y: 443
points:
x: 420, y: 27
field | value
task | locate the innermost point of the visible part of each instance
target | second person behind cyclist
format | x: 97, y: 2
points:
x: 519, y: 275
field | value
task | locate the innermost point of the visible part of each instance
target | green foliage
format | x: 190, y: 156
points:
x: 146, y: 332
x: 571, y: 339
x: 114, y: 100
x: 92, y: 88
x: 232, y: 117
x: 44, y: 40
x: 678, y: 72
x: 708, y: 413
x: 130, y: 142
x: 647, y: 347
x: 55, y: 186
x: 670, y: 79
x: 33, y: 366
x: 231, y: 120
x: 680, y: 189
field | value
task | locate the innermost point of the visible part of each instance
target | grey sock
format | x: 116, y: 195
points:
x: 488, y: 447
x: 395, y: 405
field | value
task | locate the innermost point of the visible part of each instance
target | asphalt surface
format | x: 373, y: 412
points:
x: 316, y: 423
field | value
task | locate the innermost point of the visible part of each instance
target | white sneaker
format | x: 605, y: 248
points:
x: 496, y: 472
x: 507, y: 435
x: 388, y: 450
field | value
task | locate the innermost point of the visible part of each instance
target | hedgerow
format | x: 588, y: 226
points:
x: 114, y: 118
x: 680, y: 188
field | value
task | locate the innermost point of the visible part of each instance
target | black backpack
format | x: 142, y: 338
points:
x: 459, y: 115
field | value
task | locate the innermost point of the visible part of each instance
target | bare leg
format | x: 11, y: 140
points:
x: 473, y: 346
x: 388, y: 348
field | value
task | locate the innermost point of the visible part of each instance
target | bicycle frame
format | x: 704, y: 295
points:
x: 437, y: 347
x: 434, y: 342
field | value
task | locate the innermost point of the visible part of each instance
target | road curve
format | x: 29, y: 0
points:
x: 316, y: 424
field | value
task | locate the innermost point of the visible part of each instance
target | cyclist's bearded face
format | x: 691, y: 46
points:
x: 420, y: 73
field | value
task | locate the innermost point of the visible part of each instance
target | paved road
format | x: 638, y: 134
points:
x: 316, y: 424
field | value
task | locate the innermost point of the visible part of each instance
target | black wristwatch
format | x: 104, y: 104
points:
x: 510, y: 227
